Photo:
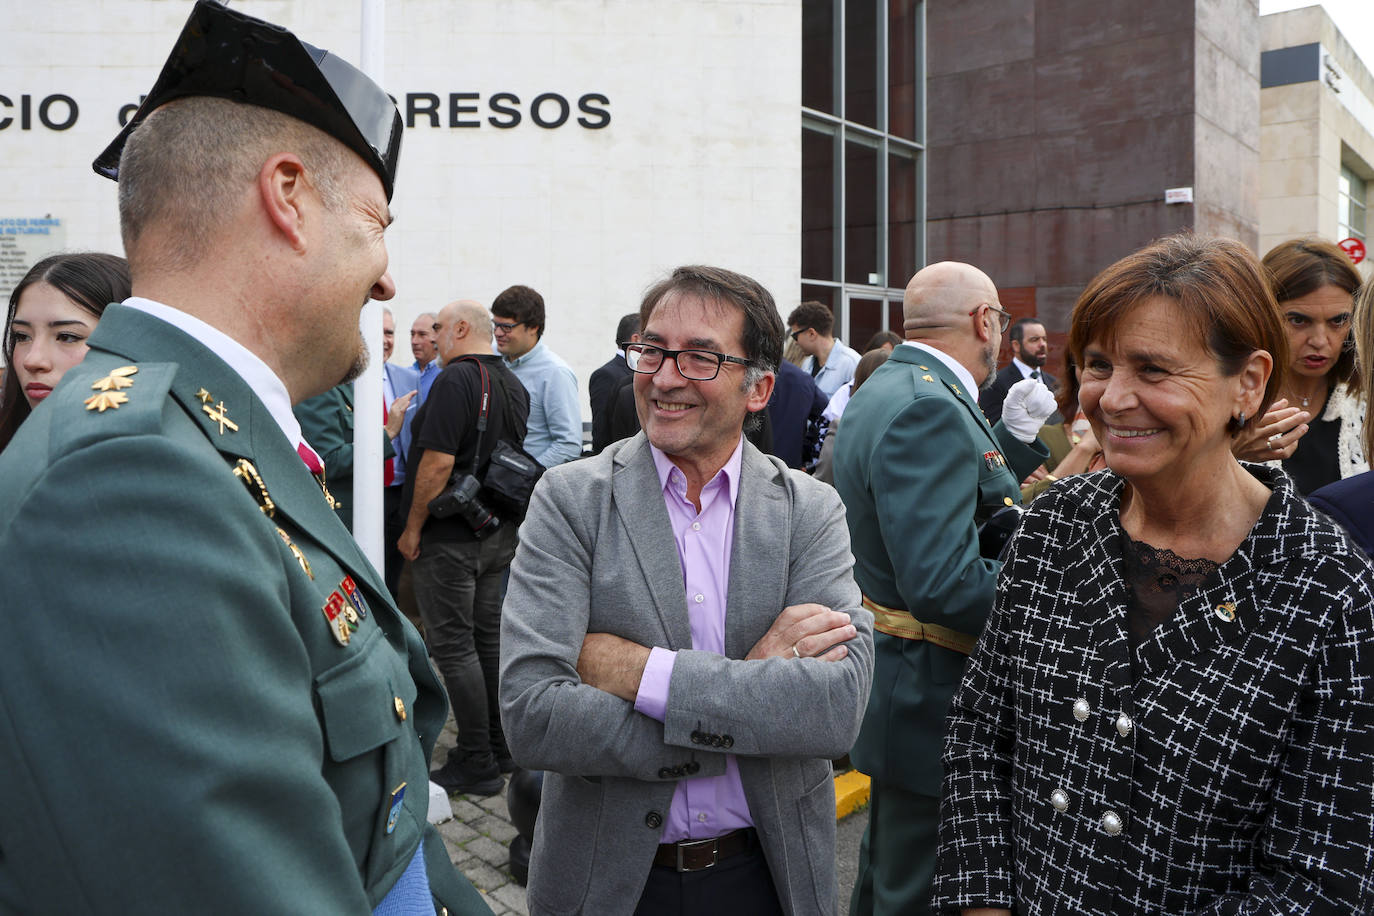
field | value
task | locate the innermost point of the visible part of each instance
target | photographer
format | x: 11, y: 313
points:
x: 458, y: 560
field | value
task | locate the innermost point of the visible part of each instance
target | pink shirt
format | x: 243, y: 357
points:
x: 707, y: 806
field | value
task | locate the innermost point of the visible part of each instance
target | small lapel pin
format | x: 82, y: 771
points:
x: 1226, y: 611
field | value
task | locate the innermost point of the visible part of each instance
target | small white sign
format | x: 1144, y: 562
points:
x: 1178, y: 196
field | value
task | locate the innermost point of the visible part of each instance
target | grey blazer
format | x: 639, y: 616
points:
x: 597, y: 555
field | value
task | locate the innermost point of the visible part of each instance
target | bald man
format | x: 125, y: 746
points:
x: 457, y: 565
x: 918, y: 469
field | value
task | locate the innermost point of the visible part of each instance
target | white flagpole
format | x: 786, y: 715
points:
x: 367, y: 390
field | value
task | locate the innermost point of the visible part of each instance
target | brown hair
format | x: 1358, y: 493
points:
x: 868, y: 364
x: 812, y: 314
x: 1301, y: 266
x: 524, y: 305
x: 1362, y: 332
x: 1217, y: 284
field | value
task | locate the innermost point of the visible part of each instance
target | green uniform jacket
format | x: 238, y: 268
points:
x: 327, y: 424
x: 180, y: 728
x: 918, y: 467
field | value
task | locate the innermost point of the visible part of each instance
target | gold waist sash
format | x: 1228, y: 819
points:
x: 902, y: 625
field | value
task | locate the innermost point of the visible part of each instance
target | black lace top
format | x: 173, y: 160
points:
x: 1159, y: 580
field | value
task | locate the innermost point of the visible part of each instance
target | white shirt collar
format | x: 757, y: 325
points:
x: 952, y: 364
x: 265, y: 383
x: 1025, y: 370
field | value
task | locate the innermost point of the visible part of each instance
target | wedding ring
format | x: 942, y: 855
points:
x: 1274, y: 440
x: 794, y: 650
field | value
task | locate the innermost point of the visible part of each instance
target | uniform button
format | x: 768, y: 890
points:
x: 400, y: 705
x: 1081, y: 709
x: 1060, y: 800
x: 698, y: 598
x: 653, y: 820
x: 1111, y: 822
x: 727, y: 741
x: 701, y: 818
x: 696, y: 526
x: 1124, y: 725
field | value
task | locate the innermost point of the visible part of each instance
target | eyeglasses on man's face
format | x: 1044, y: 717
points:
x: 1003, y: 316
x: 697, y: 365
x: 505, y: 327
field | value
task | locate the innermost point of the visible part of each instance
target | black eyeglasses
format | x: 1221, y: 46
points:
x: 1003, y: 316
x: 697, y: 365
x: 797, y: 333
x: 501, y: 327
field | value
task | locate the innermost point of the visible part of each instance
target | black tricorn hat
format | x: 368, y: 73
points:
x: 224, y: 53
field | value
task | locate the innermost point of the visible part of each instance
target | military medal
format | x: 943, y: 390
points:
x: 355, y: 595
x: 245, y: 471
x: 398, y: 795
x: 333, y: 611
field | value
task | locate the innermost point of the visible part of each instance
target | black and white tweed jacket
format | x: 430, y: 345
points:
x: 1235, y: 776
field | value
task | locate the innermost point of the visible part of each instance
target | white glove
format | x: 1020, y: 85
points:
x: 1027, y: 406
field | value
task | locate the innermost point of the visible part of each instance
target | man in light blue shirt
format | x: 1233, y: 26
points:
x: 554, y: 433
x: 828, y: 360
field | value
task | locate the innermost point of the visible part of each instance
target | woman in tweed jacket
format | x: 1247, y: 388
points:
x: 1171, y: 710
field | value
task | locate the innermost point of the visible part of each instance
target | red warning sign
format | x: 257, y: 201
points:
x: 1353, y: 247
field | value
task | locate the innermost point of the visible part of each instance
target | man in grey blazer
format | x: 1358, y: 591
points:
x: 683, y: 648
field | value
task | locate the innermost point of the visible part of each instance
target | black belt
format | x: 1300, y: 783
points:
x: 695, y: 855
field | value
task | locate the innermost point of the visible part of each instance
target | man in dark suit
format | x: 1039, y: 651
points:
x: 1030, y: 347
x: 795, y: 413
x: 918, y: 468
x: 605, y: 380
x: 207, y: 697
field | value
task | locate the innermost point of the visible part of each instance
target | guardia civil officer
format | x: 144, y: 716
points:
x: 208, y: 701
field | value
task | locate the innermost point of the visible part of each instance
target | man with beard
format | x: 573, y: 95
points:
x: 918, y: 468
x: 1030, y: 348
x: 207, y: 698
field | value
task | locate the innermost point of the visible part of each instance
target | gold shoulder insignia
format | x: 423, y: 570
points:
x: 220, y: 414
x: 110, y: 396
x: 924, y: 368
x: 926, y: 378
x: 205, y: 396
x: 117, y: 379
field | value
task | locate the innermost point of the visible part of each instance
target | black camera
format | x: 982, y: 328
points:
x: 461, y: 500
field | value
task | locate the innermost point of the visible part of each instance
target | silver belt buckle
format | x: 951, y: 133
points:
x: 713, y: 842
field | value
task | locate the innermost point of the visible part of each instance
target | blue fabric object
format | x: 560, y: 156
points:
x: 554, y: 431
x: 410, y: 896
x: 401, y: 380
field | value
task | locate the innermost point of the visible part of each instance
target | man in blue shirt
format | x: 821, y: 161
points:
x: 554, y: 434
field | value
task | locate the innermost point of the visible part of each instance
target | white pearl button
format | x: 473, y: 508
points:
x: 1081, y: 709
x: 701, y: 818
x: 696, y: 526
x: 1124, y: 725
x: 1111, y: 822
x: 1060, y: 800
x: 698, y: 598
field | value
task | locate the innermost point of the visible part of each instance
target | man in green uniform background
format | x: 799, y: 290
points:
x: 918, y: 468
x: 208, y: 701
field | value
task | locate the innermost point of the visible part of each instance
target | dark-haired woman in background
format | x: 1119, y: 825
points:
x: 53, y: 309
x: 1351, y: 501
x: 1315, y: 427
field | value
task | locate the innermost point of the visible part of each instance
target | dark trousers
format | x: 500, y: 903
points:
x: 458, y: 589
x: 739, y: 886
x: 897, y: 855
x: 393, y: 525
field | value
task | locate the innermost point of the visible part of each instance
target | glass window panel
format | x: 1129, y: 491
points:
x: 903, y: 48
x: 818, y: 205
x: 827, y: 295
x: 863, y: 61
x: 895, y: 319
x: 862, y: 232
x: 819, y: 54
x: 903, y: 228
x: 865, y: 320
